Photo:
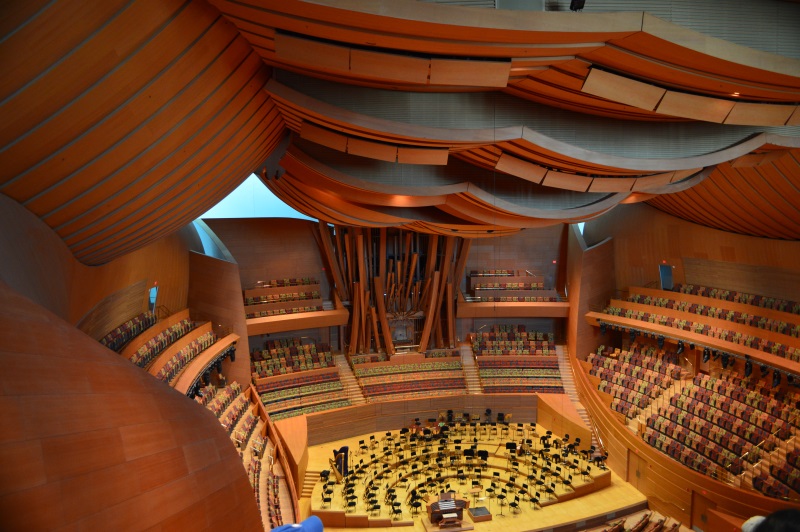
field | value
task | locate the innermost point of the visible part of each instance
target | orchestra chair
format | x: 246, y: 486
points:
x: 514, y: 505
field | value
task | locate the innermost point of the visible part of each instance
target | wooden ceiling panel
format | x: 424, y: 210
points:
x: 390, y: 67
x: 623, y: 90
x: 323, y: 137
x: 82, y: 91
x: 407, y: 155
x: 140, y: 154
x: 158, y: 182
x: 521, y: 168
x: 760, y: 114
x: 311, y: 53
x: 373, y: 150
x: 694, y: 107
x: 470, y: 73
x: 574, y: 182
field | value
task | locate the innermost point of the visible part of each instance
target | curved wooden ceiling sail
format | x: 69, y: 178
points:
x: 132, y: 123
x: 334, y: 196
x: 754, y: 198
x: 123, y: 120
x: 634, y: 65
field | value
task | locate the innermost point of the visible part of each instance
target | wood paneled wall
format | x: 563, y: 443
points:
x: 37, y: 264
x: 215, y: 295
x: 130, y: 301
x: 645, y: 236
x: 272, y: 248
x: 89, y: 441
x: 590, y: 284
x: 392, y: 415
x: 760, y: 279
x: 532, y: 249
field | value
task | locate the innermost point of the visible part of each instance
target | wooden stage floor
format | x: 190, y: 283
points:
x: 590, y: 504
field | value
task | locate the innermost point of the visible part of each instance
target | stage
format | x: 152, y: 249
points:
x: 590, y: 501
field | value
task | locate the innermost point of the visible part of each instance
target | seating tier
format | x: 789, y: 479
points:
x: 125, y: 332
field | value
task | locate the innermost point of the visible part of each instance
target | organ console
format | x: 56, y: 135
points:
x: 447, y: 508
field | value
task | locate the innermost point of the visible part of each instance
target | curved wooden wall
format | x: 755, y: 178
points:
x: 91, y: 441
x: 672, y: 240
x: 215, y: 296
x: 131, y: 123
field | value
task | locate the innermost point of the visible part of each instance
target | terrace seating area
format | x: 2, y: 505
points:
x: 247, y: 427
x: 512, y: 340
x: 283, y: 296
x: 395, y: 380
x: 172, y: 367
x: 289, y: 355
x: 783, y: 305
x: 217, y: 400
x: 125, y: 332
x: 151, y: 348
x: 719, y: 312
x: 633, y: 377
x: 727, y: 428
x: 750, y: 321
x: 309, y: 391
x: 513, y: 286
x: 519, y: 374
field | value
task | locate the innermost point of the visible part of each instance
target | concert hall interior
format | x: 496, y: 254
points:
x: 544, y: 272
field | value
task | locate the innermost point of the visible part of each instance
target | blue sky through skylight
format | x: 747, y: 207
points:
x: 252, y: 199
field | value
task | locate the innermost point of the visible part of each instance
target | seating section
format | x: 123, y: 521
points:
x: 699, y: 327
x: 283, y: 296
x: 291, y: 281
x: 116, y: 339
x: 508, y: 286
x: 442, y: 353
x: 519, y: 374
x: 289, y: 355
x: 513, y: 340
x: 633, y: 378
x: 770, y: 486
x: 273, y: 501
x: 150, y: 350
x: 680, y: 452
x: 744, y: 318
x: 306, y: 392
x: 441, y: 377
x: 181, y: 359
x: 782, y: 305
x: 222, y: 399
x: 234, y: 413
x: 283, y: 311
x: 367, y: 358
x: 737, y: 429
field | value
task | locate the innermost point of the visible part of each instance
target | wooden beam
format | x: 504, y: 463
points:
x: 451, y: 315
x: 354, y: 317
x: 331, y: 262
x: 426, y: 329
x: 430, y: 266
x: 382, y: 254
x: 374, y: 322
x: 409, y: 279
x: 377, y: 284
x: 446, y: 268
x: 461, y: 262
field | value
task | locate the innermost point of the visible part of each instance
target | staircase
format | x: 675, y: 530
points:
x: 349, y: 382
x: 471, y: 377
x: 310, y: 480
x: 568, y: 383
